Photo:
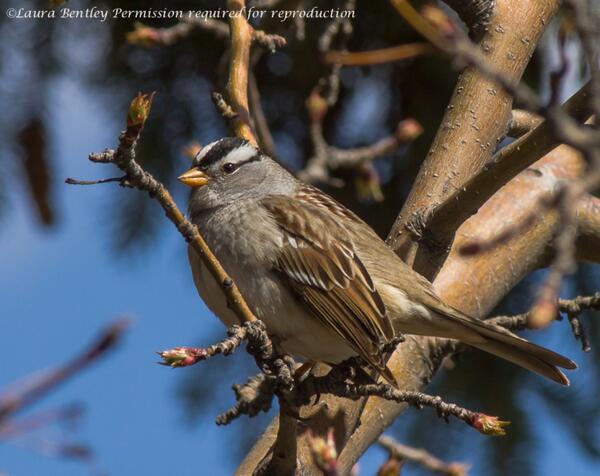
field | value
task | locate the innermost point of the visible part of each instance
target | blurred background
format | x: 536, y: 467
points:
x: 74, y: 258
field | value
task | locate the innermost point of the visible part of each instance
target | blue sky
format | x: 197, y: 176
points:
x: 58, y: 288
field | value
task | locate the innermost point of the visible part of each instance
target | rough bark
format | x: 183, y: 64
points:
x: 475, y: 284
x: 475, y: 121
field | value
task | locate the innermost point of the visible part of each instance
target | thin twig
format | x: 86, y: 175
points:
x: 124, y: 158
x: 485, y: 424
x: 121, y: 180
x: 384, y: 55
x: 253, y: 397
x: 571, y: 307
x: 14, y: 400
x: 143, y: 35
x: 422, y: 457
x: 186, y: 356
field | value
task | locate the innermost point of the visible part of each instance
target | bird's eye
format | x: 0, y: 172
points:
x: 229, y: 168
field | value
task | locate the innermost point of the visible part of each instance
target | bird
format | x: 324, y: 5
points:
x: 326, y: 286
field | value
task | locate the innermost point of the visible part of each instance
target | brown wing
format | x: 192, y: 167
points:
x: 322, y: 267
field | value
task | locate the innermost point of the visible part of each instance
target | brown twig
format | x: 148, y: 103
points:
x: 384, y: 55
x: 253, y: 397
x: 137, y: 177
x: 328, y: 158
x: 267, y: 40
x: 259, y: 346
x: 264, y: 136
x: 486, y: 424
x: 186, y: 356
x: 241, y: 34
x: 120, y: 180
x: 571, y: 307
x: 422, y: 457
x: 143, y: 35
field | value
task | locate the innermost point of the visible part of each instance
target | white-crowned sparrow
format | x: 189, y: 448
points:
x: 326, y: 286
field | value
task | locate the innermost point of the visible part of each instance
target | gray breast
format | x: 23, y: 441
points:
x: 244, y: 238
x: 245, y: 241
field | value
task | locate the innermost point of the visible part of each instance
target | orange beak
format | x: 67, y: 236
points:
x: 194, y: 178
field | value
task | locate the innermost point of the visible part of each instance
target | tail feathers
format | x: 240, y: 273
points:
x: 527, y: 358
x: 502, y: 343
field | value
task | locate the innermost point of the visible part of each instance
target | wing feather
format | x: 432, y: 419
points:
x: 323, y: 268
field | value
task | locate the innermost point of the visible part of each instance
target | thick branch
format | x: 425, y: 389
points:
x: 475, y: 120
x: 475, y: 284
x: 507, y: 163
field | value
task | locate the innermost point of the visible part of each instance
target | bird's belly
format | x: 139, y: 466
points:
x: 295, y: 330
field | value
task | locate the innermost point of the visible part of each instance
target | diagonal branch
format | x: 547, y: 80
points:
x: 384, y: 55
x: 476, y: 118
x: 15, y: 400
x: 441, y: 225
x: 239, y: 64
x: 422, y: 457
x: 137, y: 177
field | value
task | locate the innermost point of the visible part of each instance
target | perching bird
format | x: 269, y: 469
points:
x: 326, y: 286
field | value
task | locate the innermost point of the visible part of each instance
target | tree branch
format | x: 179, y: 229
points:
x: 476, y: 14
x: 474, y: 284
x: 440, y: 226
x: 571, y: 307
x: 521, y: 122
x: 124, y: 159
x: 384, y: 55
x: 588, y: 222
x: 508, y: 44
x: 239, y: 63
x: 475, y: 120
x: 146, y: 36
x: 422, y: 457
x: 12, y: 401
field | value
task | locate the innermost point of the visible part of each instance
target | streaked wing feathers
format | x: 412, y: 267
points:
x: 320, y: 262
